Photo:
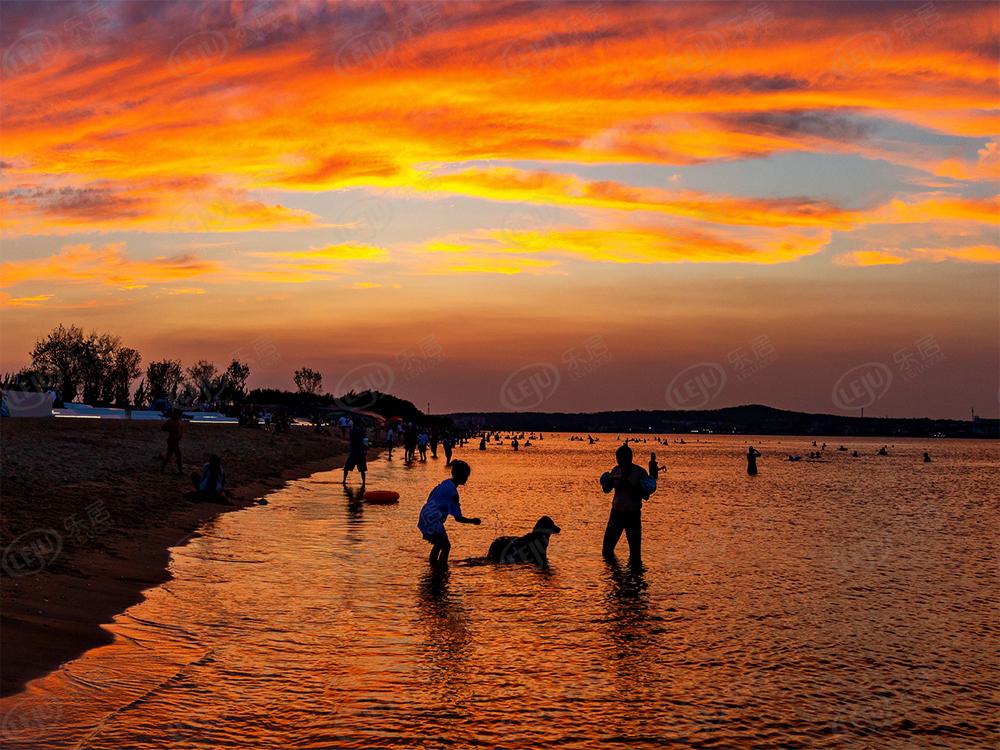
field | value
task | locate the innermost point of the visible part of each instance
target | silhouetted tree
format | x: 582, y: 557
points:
x: 141, y: 395
x: 204, y: 383
x: 235, y: 378
x: 98, y: 364
x: 122, y: 370
x: 308, y: 381
x: 164, y: 378
x: 60, y: 357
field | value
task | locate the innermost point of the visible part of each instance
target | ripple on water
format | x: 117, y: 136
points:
x: 839, y: 603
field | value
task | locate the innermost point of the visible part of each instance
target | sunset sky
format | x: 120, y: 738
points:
x: 433, y: 196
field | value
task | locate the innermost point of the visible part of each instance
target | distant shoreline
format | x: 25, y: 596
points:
x: 88, y: 495
x: 737, y: 420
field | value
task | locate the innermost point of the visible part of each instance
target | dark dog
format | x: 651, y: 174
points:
x: 531, y: 547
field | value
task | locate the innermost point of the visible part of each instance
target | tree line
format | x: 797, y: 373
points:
x: 99, y: 369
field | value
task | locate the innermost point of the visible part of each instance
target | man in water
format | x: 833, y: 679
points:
x: 631, y: 485
x: 752, y: 455
x: 357, y: 457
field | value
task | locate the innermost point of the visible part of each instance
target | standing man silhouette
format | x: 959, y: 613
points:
x: 631, y: 485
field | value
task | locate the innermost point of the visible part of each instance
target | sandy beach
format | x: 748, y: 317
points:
x: 88, y: 520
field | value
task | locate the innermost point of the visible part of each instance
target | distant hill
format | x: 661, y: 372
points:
x: 751, y: 419
x: 383, y: 404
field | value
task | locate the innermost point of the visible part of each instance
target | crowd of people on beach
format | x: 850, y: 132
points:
x: 417, y: 440
x: 630, y: 484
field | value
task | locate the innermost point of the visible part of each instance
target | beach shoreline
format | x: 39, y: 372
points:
x: 89, y: 521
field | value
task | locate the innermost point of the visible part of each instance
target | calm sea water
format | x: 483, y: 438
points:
x: 847, y: 602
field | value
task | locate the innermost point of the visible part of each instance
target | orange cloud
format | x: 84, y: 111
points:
x: 666, y: 245
x: 104, y: 266
x: 515, y: 185
x: 145, y: 207
x: 938, y: 209
x: 185, y: 290
x: 319, y: 102
x: 313, y: 264
x: 895, y: 256
x: 31, y: 301
x: 624, y: 244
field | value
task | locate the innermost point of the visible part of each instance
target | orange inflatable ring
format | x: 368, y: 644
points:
x: 381, y: 497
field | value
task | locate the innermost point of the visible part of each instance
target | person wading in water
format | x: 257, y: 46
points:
x: 631, y: 485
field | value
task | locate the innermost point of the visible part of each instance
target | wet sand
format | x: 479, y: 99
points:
x: 88, y: 520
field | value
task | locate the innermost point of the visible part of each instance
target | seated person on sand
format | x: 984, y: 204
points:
x: 212, y: 480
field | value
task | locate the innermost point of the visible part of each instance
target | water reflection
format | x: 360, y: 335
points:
x: 627, y: 601
x: 443, y: 615
x: 774, y: 613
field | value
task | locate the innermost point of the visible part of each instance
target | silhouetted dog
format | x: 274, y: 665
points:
x: 531, y: 547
